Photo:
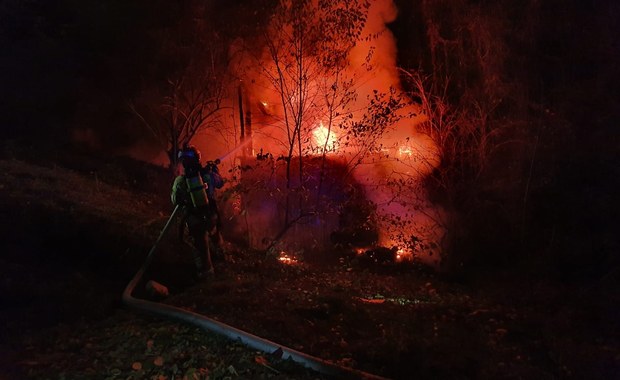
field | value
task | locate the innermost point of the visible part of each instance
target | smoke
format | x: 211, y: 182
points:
x: 394, y: 183
x: 393, y: 177
x: 383, y: 47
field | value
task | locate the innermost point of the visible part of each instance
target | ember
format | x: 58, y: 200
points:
x: 287, y: 259
x: 403, y: 255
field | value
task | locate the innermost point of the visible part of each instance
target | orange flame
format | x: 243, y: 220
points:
x: 287, y: 259
x: 325, y: 138
x: 403, y: 255
x: 405, y: 150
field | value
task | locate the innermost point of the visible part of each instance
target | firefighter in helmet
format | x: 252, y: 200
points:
x: 191, y: 191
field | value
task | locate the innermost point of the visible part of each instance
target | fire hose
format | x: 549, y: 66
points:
x: 253, y: 341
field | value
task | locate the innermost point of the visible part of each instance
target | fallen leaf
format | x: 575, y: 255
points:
x: 260, y: 360
x: 191, y: 374
x: 232, y: 370
x: 159, y: 361
x: 372, y: 300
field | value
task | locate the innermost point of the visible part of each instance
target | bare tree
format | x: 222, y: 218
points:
x: 187, y: 100
x: 476, y: 111
x: 307, y: 46
x: 306, y: 64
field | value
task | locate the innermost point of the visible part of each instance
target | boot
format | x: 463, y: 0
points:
x: 202, y: 271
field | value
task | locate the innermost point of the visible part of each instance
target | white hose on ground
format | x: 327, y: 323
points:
x: 253, y: 341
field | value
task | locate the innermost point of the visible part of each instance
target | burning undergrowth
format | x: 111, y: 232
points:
x: 319, y: 84
x: 327, y: 209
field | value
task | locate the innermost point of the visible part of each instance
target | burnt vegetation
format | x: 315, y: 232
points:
x: 522, y: 104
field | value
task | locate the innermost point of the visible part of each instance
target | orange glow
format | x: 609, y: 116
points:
x: 390, y: 168
x: 325, y: 139
x: 372, y: 300
x: 360, y: 251
x: 403, y: 255
x: 287, y: 259
x: 405, y: 150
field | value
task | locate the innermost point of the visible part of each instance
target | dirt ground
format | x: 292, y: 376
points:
x: 67, y: 255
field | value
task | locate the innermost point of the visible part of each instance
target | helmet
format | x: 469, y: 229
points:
x: 189, y: 155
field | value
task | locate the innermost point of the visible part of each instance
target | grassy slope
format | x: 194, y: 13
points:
x: 71, y: 242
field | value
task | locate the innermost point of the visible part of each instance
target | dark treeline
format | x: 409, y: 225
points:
x: 545, y: 75
x: 70, y: 62
x: 75, y: 64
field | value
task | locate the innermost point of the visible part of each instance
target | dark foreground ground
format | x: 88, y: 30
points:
x: 70, y: 243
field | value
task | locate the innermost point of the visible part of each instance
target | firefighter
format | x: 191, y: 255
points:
x: 190, y: 191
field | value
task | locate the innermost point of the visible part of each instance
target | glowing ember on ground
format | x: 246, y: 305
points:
x: 361, y: 251
x: 287, y: 259
x: 379, y: 299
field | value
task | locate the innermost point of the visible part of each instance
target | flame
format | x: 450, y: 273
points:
x: 324, y: 138
x: 285, y: 258
x: 401, y: 151
x: 403, y: 254
x: 405, y: 150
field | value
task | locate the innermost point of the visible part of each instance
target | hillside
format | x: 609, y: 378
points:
x: 70, y: 243
x: 75, y: 229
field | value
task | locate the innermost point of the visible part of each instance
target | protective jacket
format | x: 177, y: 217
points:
x: 181, y: 195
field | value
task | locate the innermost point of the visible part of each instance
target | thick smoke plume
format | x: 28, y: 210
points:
x: 403, y: 210
x: 392, y: 176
